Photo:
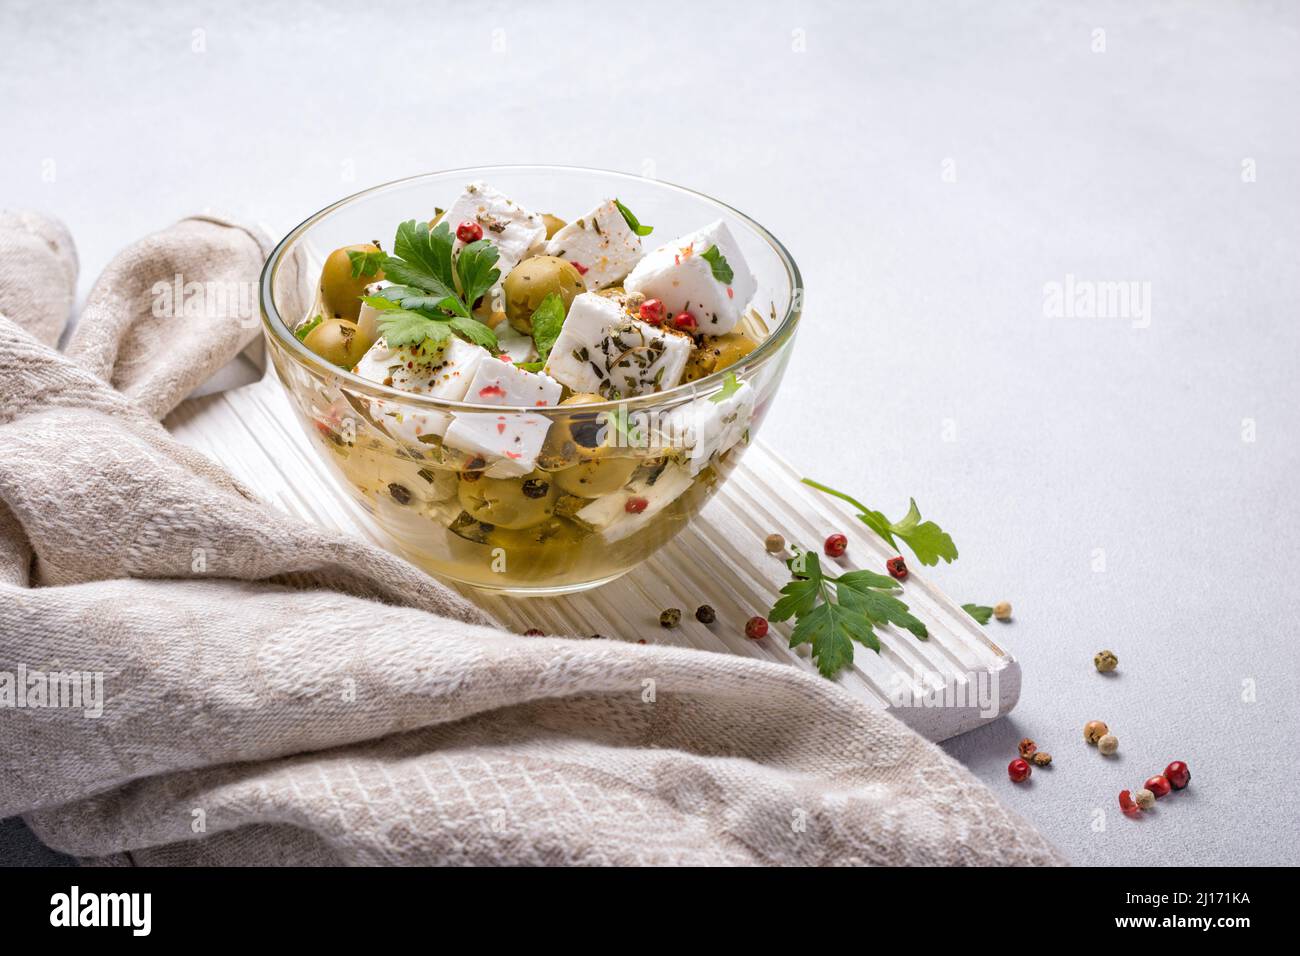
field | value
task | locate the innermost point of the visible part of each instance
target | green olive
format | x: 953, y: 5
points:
x: 596, y: 476
x: 512, y: 503
x: 580, y: 452
x: 340, y: 290
x: 553, y: 224
x: 717, y: 352
x: 532, y: 281
x: 338, y: 342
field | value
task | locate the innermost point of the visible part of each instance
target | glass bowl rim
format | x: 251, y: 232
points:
x: 767, y: 349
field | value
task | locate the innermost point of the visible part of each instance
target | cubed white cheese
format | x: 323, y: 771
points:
x: 602, y: 349
x: 516, y: 344
x: 601, y: 243
x: 609, y: 515
x: 704, y: 428
x: 513, y: 229
x: 680, y: 276
x: 445, y: 374
x: 510, y: 441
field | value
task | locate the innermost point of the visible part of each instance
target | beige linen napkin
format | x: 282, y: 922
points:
x: 274, y: 693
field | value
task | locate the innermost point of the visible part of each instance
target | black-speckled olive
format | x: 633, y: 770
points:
x: 532, y: 281
x: 338, y: 342
x: 340, y: 290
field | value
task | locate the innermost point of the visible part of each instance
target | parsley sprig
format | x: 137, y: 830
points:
x: 433, y: 294
x: 981, y: 612
x: 927, y: 540
x: 832, y: 612
x: 632, y: 222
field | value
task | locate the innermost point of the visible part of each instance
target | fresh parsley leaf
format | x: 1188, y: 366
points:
x: 530, y: 366
x: 632, y: 222
x: 832, y: 629
x: 979, y: 612
x: 718, y: 263
x: 412, y: 299
x: 425, y: 263
x: 301, y: 331
x: 927, y: 540
x: 472, y: 330
x: 476, y: 267
x: 730, y: 386
x: 402, y: 327
x: 832, y: 612
x: 548, y: 319
x: 365, y: 263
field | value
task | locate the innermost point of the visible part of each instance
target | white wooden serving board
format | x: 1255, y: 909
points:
x: 253, y: 432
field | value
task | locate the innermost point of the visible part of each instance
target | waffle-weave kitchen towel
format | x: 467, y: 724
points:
x: 273, y: 693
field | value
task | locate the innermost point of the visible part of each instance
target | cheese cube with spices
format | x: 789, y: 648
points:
x: 601, y: 246
x: 703, y: 273
x: 604, y: 350
x: 511, y: 228
x: 438, y: 373
x: 511, y: 440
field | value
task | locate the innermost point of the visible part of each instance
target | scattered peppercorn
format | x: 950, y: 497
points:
x: 835, y: 545
x: 1019, y: 770
x: 705, y: 614
x: 1105, y: 661
x: 1108, y: 744
x: 651, y: 311
x: 756, y: 628
x: 1041, y: 758
x: 598, y: 637
x: 533, y: 632
x: 1002, y: 610
x: 535, y: 488
x: 1159, y: 785
x: 635, y: 505
x: 670, y: 617
x: 897, y: 568
x: 1027, y: 748
x: 1126, y: 803
x: 1094, y: 730
x: 641, y: 641
x: 1145, y: 799
x: 774, y: 543
x: 469, y: 231
x: 1178, y: 775
x: 401, y: 494
x: 684, y: 321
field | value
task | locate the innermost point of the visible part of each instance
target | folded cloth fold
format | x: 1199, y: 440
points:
x: 271, y: 692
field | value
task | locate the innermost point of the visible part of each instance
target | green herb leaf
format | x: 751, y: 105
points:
x: 365, y: 263
x: 424, y: 263
x: 301, y: 331
x: 927, y: 540
x: 833, y: 612
x: 476, y: 267
x: 548, y: 319
x: 632, y: 222
x: 472, y: 330
x: 730, y: 386
x: 979, y: 612
x: 530, y: 366
x: 414, y: 300
x: 718, y: 263
x: 402, y: 327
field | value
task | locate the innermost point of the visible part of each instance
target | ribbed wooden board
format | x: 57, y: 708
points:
x: 254, y: 433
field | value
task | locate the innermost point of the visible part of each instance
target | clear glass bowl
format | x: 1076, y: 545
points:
x: 642, y: 468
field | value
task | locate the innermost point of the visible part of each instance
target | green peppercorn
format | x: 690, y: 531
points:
x: 670, y: 618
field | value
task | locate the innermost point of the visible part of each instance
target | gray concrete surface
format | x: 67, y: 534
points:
x: 1126, y: 481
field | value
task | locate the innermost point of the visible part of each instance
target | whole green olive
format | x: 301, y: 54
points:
x: 338, y: 342
x: 716, y: 352
x: 553, y: 224
x: 532, y: 281
x: 512, y: 503
x: 340, y: 290
x: 596, y: 476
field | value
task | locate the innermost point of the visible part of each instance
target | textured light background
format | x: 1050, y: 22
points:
x: 927, y: 366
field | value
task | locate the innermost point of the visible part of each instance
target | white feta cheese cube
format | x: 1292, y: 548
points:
x: 681, y: 276
x: 514, y: 343
x: 705, y: 428
x: 601, y: 243
x: 603, y: 349
x: 609, y: 515
x: 511, y: 441
x: 444, y: 373
x: 510, y: 227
